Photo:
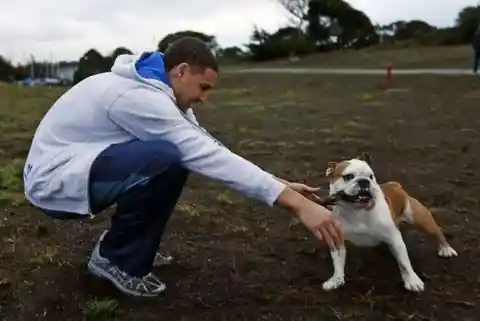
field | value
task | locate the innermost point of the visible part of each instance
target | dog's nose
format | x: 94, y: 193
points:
x: 363, y: 183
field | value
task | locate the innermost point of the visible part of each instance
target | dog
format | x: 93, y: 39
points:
x: 370, y: 213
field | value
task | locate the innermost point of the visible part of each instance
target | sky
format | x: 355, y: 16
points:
x: 64, y: 29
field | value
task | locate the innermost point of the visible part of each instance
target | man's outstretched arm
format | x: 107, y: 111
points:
x: 149, y: 115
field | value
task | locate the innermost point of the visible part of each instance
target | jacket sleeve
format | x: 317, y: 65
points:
x: 150, y: 114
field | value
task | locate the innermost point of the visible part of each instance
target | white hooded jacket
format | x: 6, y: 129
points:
x: 132, y: 101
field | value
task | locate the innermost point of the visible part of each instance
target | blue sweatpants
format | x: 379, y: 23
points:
x: 144, y: 179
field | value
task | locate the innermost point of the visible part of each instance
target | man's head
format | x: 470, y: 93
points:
x: 192, y: 69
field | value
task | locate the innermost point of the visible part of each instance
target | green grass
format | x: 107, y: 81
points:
x: 100, y: 309
x: 11, y: 184
x: 378, y: 57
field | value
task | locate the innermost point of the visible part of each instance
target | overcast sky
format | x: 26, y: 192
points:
x: 65, y: 29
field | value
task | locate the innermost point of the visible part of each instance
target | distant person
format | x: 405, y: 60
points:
x: 476, y: 50
x: 129, y: 137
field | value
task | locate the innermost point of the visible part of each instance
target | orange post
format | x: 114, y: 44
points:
x: 389, y: 74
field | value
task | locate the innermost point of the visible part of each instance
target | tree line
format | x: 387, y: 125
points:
x: 315, y: 26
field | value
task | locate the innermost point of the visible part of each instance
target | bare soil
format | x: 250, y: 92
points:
x: 236, y: 259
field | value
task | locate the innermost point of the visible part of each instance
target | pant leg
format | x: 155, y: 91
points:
x: 145, y: 180
x: 476, y: 61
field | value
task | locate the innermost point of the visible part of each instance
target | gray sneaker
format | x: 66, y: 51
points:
x: 161, y: 260
x: 147, y: 286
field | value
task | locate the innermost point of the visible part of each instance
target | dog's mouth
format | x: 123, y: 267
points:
x: 363, y: 198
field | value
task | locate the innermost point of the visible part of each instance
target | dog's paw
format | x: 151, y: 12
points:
x: 334, y: 283
x: 447, y: 251
x: 413, y: 283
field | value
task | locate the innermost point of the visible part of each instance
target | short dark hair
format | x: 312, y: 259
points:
x: 191, y: 50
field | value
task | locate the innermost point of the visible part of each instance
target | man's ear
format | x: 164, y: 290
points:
x: 366, y: 158
x: 330, y: 169
x: 181, y: 69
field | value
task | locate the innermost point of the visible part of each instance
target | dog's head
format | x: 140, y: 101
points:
x: 353, y: 181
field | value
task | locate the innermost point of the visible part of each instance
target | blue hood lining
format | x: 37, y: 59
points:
x: 150, y: 65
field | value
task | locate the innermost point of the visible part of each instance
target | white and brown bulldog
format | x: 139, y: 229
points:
x: 370, y: 214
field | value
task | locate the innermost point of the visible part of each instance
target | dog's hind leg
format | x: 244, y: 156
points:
x: 422, y: 219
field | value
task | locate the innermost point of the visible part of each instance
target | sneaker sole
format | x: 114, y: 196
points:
x: 164, y: 263
x: 100, y: 273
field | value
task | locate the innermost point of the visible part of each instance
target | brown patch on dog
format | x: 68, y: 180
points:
x: 335, y: 170
x: 397, y: 199
x: 423, y: 220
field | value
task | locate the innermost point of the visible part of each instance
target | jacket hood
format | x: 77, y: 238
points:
x: 147, y: 67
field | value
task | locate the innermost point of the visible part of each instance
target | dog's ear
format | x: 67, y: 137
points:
x: 366, y: 158
x: 330, y: 169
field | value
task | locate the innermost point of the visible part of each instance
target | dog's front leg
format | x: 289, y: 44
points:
x: 410, y: 279
x: 338, y: 278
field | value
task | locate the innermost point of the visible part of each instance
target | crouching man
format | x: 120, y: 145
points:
x: 129, y: 137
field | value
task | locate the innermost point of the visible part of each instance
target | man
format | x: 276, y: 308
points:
x: 476, y: 50
x: 129, y: 137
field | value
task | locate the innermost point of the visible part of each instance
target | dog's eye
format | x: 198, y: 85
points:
x: 371, y: 177
x: 348, y: 177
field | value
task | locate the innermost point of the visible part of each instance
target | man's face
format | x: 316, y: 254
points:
x: 191, y: 85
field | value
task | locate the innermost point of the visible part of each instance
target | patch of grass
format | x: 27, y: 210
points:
x: 11, y: 182
x: 12, y: 198
x: 355, y: 125
x: 249, y: 143
x: 238, y: 228
x: 11, y: 174
x: 189, y: 209
x: 247, y: 130
x: 379, y: 57
x: 309, y: 143
x: 105, y: 309
x: 11, y: 244
x: 226, y: 197
x: 231, y: 92
x: 345, y: 128
x: 367, y: 96
x: 45, y: 256
x: 241, y: 102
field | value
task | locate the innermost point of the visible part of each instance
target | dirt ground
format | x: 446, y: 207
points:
x: 236, y: 259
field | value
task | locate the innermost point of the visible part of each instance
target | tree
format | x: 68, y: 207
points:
x: 171, y: 37
x: 231, y: 53
x: 329, y: 19
x: 358, y: 30
x: 6, y: 69
x: 467, y: 22
x: 110, y: 59
x: 298, y: 9
x: 280, y: 44
x: 91, y: 63
x: 318, y: 27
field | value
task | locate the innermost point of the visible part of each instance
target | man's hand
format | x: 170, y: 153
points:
x: 305, y: 190
x: 317, y: 219
x: 321, y: 222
